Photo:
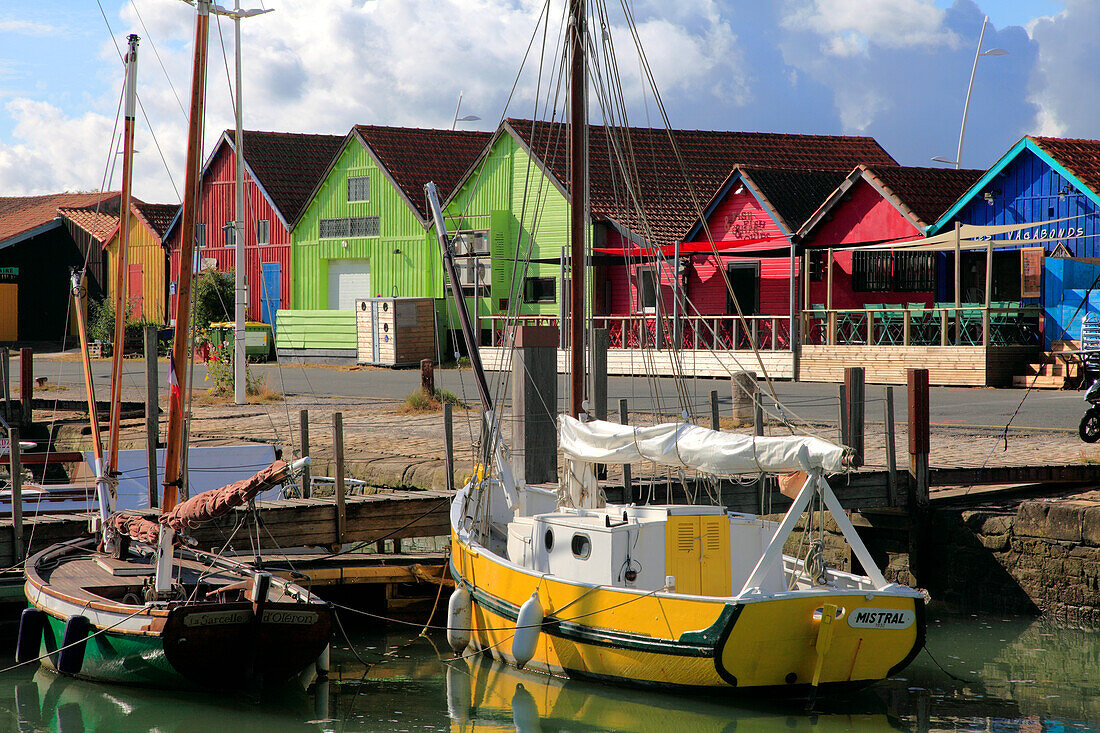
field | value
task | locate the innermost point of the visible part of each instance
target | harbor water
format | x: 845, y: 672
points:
x: 982, y: 674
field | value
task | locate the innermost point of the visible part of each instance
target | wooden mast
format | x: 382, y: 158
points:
x: 122, y: 255
x: 177, y: 368
x: 578, y: 127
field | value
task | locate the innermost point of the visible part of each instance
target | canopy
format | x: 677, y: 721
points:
x: 683, y: 445
x: 688, y: 248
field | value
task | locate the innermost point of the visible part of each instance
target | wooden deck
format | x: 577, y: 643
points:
x: 663, y: 362
x: 980, y: 366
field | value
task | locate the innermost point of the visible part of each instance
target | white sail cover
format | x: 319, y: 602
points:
x: 683, y: 445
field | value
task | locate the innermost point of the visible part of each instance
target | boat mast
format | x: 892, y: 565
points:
x: 578, y: 127
x: 122, y: 255
x: 177, y: 367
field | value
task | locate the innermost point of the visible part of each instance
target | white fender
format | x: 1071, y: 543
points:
x: 459, y: 691
x: 528, y: 627
x: 459, y: 617
x: 525, y: 711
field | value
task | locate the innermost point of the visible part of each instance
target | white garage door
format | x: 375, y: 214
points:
x: 347, y: 280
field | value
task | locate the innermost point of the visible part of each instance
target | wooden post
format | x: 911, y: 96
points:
x: 449, y: 444
x: 152, y: 413
x: 958, y: 282
x: 743, y: 389
x: 988, y: 291
x: 830, y: 316
x: 919, y: 446
x: 16, y: 467
x: 303, y: 431
x: 534, y: 394
x: 338, y: 444
x: 855, y: 390
x: 427, y: 376
x: 714, y: 421
x: 5, y: 366
x: 891, y: 450
x: 601, y: 339
x: 843, y: 426
x: 26, y: 382
x: 628, y: 483
x: 757, y: 414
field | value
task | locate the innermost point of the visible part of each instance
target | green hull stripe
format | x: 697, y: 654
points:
x: 690, y: 644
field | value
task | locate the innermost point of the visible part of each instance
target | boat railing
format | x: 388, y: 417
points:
x: 918, y: 324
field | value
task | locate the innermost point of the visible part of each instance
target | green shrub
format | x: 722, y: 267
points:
x: 422, y: 401
x: 211, y: 299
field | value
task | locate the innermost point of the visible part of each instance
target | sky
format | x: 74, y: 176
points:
x: 894, y: 69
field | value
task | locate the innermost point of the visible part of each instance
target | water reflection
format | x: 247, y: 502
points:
x: 1016, y: 675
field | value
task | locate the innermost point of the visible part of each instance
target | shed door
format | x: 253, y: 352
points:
x: 347, y: 280
x: 134, y: 293
x: 9, y: 312
x: 271, y: 297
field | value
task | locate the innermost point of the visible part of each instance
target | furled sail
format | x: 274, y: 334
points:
x: 682, y: 445
x: 210, y: 504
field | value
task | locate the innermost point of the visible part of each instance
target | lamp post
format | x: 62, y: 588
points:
x: 467, y: 118
x: 240, y: 287
x: 966, y: 105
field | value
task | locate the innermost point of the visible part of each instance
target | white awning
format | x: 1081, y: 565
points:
x: 682, y: 445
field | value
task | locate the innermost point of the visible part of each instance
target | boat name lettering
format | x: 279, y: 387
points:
x: 880, y: 618
x: 300, y: 618
x: 218, y: 618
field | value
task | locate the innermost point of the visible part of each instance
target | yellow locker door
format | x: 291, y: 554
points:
x: 9, y: 312
x: 682, y: 552
x: 714, y: 559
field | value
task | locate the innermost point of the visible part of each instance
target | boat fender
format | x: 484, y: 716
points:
x: 323, y: 662
x: 29, y: 641
x: 528, y: 628
x: 70, y: 660
x: 458, y: 620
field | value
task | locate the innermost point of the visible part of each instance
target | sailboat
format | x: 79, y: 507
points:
x: 135, y: 603
x: 671, y: 596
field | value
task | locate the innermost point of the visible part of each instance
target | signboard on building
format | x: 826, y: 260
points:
x: 8, y: 274
x: 1031, y: 272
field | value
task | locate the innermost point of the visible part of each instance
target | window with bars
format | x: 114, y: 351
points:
x: 358, y: 188
x: 263, y: 231
x: 200, y: 235
x: 647, y: 289
x: 227, y: 232
x: 900, y: 272
x: 354, y: 226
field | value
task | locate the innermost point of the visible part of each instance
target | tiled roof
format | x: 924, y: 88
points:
x: 159, y: 216
x: 415, y: 156
x: 288, y: 165
x: 20, y: 214
x: 101, y: 225
x: 1079, y: 157
x: 708, y: 157
x: 794, y: 194
x: 926, y: 192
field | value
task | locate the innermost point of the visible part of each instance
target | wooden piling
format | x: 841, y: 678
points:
x: 919, y: 444
x: 628, y: 483
x: 5, y: 368
x: 26, y: 382
x: 714, y: 418
x: 338, y: 447
x: 303, y: 433
x: 855, y: 390
x: 758, y: 414
x: 152, y: 413
x: 743, y: 389
x: 427, y: 376
x: 891, y: 450
x: 601, y: 338
x: 16, y: 468
x: 842, y: 391
x: 449, y: 445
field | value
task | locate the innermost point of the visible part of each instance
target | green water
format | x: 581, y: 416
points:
x: 1020, y: 675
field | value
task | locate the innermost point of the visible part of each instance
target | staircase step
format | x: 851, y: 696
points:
x: 1040, y: 382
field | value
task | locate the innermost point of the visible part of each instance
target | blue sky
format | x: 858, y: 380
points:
x: 894, y: 69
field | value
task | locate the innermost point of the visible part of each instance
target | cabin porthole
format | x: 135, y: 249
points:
x: 582, y: 546
x: 548, y: 539
x: 791, y: 678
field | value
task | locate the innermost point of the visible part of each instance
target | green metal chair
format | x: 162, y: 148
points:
x: 893, y: 324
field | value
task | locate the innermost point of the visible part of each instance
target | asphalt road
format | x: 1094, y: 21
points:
x: 978, y: 407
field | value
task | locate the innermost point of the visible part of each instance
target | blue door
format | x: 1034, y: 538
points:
x: 271, y: 295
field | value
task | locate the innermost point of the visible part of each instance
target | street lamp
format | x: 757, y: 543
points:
x: 966, y: 105
x: 467, y: 118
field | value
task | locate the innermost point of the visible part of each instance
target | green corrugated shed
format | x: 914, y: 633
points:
x: 316, y: 329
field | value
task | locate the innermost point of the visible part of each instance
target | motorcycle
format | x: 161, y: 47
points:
x: 1089, y: 429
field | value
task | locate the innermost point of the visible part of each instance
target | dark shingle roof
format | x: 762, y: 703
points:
x: 288, y: 165
x: 708, y: 157
x: 1080, y: 157
x: 159, y: 216
x: 20, y: 214
x: 415, y: 156
x: 926, y: 192
x: 794, y: 194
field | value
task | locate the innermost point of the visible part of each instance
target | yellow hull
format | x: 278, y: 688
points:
x: 629, y: 636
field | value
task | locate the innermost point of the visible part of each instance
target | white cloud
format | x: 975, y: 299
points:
x: 25, y: 27
x: 847, y: 26
x: 1063, y: 84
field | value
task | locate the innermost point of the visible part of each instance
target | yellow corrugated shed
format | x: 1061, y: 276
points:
x: 147, y: 265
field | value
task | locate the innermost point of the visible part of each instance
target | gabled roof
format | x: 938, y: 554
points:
x: 920, y: 194
x: 102, y: 222
x: 24, y: 216
x: 412, y: 157
x: 1078, y: 161
x: 668, y: 203
x: 791, y: 195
